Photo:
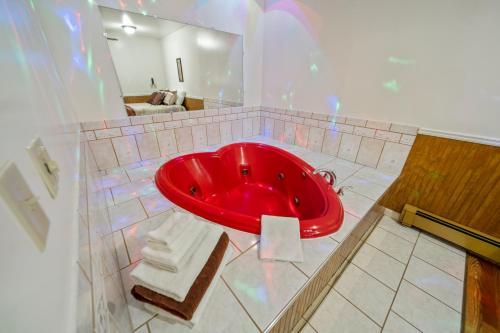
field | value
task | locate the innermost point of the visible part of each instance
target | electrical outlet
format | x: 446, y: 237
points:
x: 45, y: 165
x: 24, y: 204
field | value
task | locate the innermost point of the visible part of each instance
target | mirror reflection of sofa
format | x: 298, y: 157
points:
x: 162, y: 101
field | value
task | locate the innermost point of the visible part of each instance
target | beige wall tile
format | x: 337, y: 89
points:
x: 388, y: 136
x: 369, y: 152
x: 199, y: 136
x: 407, y: 139
x: 301, y: 135
x: 381, y: 125
x: 112, y: 123
x: 226, y: 135
x: 184, y: 138
x: 331, y: 143
x: 393, y: 157
x: 279, y: 130
x: 268, y: 127
x: 213, y: 134
x: 289, y: 132
x: 104, y: 154
x: 167, y: 142
x: 108, y: 133
x: 148, y: 146
x: 363, y: 131
x: 256, y: 126
x: 349, y: 146
x: 162, y: 117
x: 141, y: 120
x: 154, y: 127
x: 126, y: 149
x: 237, y: 129
x: 356, y: 122
x: 247, y: 127
x: 404, y: 129
x: 131, y: 130
x: 315, y: 140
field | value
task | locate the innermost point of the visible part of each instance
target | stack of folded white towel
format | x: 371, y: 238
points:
x: 175, y: 255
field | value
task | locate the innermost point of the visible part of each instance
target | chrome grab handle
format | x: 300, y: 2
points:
x: 332, y: 177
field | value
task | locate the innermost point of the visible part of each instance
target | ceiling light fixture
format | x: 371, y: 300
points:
x: 129, y: 29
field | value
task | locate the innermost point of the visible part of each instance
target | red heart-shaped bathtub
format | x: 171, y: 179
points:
x: 240, y: 182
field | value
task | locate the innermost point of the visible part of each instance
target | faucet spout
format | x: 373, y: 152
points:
x: 329, y: 175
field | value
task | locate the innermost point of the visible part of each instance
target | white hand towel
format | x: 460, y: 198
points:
x: 203, y: 303
x: 169, y: 236
x: 280, y: 239
x: 176, y: 285
x: 175, y: 260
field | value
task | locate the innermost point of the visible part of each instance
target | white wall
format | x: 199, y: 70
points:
x: 235, y: 16
x: 212, y: 63
x: 434, y: 64
x: 38, y: 288
x: 137, y: 59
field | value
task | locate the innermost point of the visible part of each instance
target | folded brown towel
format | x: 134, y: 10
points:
x: 186, y: 309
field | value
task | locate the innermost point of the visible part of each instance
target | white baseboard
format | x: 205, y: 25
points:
x: 461, y: 136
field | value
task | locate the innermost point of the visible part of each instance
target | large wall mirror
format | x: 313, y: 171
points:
x: 165, y: 66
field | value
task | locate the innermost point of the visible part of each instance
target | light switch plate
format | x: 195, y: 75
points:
x: 46, y: 167
x: 24, y: 204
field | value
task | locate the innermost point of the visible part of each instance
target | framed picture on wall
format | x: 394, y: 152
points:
x: 179, y: 70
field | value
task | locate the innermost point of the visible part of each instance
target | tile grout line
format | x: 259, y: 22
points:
x: 390, y: 231
x: 437, y: 242
x: 355, y: 306
x: 363, y: 270
x: 416, y: 256
x: 238, y: 300
x: 437, y: 299
x: 399, y: 285
x: 397, y: 314
x: 126, y: 249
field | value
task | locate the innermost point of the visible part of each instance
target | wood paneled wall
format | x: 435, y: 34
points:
x: 482, y: 297
x: 455, y: 179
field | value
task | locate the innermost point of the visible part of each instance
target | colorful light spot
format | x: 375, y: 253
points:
x: 392, y: 86
x: 400, y: 61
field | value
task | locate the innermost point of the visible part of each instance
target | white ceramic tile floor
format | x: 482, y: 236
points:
x: 254, y: 291
x: 354, y: 283
x: 426, y: 291
x: 263, y: 287
x: 336, y: 314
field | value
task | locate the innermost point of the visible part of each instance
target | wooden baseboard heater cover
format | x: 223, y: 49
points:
x: 475, y: 241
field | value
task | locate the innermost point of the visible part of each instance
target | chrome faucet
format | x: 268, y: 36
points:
x: 332, y: 178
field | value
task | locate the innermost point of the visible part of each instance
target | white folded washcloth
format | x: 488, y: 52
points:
x: 177, y: 285
x: 173, y: 233
x: 203, y: 303
x: 174, y: 260
x: 280, y: 239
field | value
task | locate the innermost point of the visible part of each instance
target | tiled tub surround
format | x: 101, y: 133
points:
x: 102, y: 305
x: 124, y: 154
x: 120, y: 142
x: 252, y: 294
